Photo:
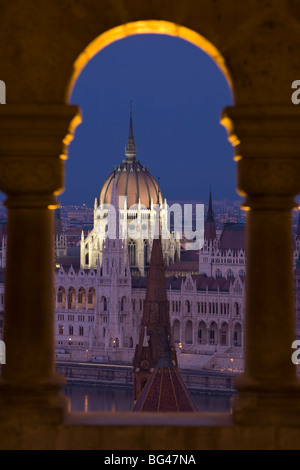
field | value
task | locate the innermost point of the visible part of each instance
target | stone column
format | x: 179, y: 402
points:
x: 31, y: 174
x: 267, y: 151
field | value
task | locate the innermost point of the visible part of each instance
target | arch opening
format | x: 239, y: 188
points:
x: 146, y: 27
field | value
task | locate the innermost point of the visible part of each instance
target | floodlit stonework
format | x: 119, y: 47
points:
x: 98, y: 312
x: 136, y: 201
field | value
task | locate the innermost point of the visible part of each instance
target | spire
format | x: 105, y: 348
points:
x: 210, y: 212
x: 130, y: 135
x: 165, y: 390
x: 57, y: 222
x: 210, y: 228
x: 130, y: 148
x: 156, y: 321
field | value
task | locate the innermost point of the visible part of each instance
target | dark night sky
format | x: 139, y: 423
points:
x: 177, y: 93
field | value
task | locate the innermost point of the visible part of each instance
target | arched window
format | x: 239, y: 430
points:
x: 71, y: 298
x: 59, y: 295
x: 213, y: 333
x: 218, y: 273
x: 146, y: 262
x: 71, y: 330
x: 104, y: 303
x: 131, y: 252
x: 187, y: 306
x: 230, y: 274
x: 237, y: 335
x: 202, y: 333
x: 236, y: 308
x: 91, y: 296
x: 224, y: 334
x: 176, y: 331
x: 81, y: 331
x: 189, y: 332
x: 81, y: 296
x: 60, y: 329
x: 123, y: 303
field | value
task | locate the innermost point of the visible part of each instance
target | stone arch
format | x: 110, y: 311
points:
x: 146, y: 27
x: 255, y: 49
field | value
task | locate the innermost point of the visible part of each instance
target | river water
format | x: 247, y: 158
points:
x: 99, y: 398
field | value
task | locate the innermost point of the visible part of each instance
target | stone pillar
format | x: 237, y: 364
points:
x: 267, y: 150
x: 31, y: 174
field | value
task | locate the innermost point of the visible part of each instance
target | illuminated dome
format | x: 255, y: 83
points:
x: 133, y: 180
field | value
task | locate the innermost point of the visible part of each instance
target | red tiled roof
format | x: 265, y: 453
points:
x: 165, y: 391
x: 233, y: 237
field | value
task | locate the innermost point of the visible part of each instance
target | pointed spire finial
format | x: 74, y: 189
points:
x: 210, y: 212
x: 210, y: 228
x: 130, y: 148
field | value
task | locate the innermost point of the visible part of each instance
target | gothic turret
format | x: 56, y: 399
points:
x: 130, y: 148
x: 155, y: 334
x: 210, y: 227
x: 116, y: 272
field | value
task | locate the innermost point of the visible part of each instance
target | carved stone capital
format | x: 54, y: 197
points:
x: 33, y: 147
x: 267, y: 152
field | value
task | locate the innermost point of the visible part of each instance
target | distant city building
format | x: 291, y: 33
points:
x: 155, y: 335
x: 138, y: 195
x: 100, y: 283
x: 99, y: 310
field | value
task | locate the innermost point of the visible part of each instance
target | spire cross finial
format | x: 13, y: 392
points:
x: 130, y: 148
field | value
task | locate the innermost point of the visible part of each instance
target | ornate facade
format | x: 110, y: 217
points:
x: 99, y: 310
x: 138, y: 197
